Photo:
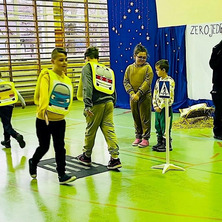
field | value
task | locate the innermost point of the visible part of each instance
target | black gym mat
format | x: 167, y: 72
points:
x: 73, y: 167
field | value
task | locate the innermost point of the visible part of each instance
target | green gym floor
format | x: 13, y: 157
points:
x: 136, y: 193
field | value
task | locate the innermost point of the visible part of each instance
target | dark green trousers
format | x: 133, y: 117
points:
x: 160, y: 122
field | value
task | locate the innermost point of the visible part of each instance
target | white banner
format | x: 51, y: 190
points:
x: 200, y: 39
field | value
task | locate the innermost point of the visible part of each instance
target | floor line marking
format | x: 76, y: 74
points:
x: 215, y: 155
x: 157, y: 157
x: 182, y: 162
x: 137, y: 209
x: 199, y: 164
x: 122, y: 113
x: 220, y: 144
x: 190, y: 165
x: 208, y: 136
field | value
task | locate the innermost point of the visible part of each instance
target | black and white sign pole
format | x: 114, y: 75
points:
x: 164, y: 88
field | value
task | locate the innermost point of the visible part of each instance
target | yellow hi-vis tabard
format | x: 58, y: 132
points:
x: 103, y: 80
x: 8, y: 94
x: 60, y: 92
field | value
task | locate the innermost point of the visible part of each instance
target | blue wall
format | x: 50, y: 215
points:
x: 133, y: 22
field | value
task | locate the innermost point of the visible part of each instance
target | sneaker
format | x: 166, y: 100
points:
x: 136, y: 142
x: 82, y: 158
x: 114, y: 164
x: 162, y: 149
x: 144, y: 143
x: 6, y: 144
x: 215, y: 137
x: 32, y: 169
x: 66, y: 179
x: 154, y: 148
x: 20, y: 140
x: 159, y: 143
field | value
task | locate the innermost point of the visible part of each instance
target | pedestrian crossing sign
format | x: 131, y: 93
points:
x: 164, y: 89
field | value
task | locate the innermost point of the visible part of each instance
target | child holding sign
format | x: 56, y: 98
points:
x: 162, y: 67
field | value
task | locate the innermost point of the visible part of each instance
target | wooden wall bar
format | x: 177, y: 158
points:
x: 30, y: 29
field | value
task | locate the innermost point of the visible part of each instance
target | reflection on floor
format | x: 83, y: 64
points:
x: 136, y: 193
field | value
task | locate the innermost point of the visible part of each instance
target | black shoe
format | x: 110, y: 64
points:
x: 218, y: 137
x: 66, y: 179
x: 6, y: 144
x: 154, y: 148
x: 20, y: 140
x: 114, y: 164
x: 82, y: 158
x: 32, y: 169
x: 159, y: 143
x: 162, y: 149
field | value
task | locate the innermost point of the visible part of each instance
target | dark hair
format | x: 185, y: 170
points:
x: 91, y: 52
x: 55, y: 52
x: 163, y: 64
x: 140, y: 48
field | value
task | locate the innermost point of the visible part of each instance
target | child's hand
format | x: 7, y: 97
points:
x: 46, y: 119
x: 135, y: 97
x: 157, y: 109
x: 88, y: 112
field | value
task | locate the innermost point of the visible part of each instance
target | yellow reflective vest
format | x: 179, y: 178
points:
x: 60, y: 93
x: 103, y: 80
x: 8, y: 93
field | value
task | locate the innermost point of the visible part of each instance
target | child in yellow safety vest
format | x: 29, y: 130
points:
x: 97, y: 90
x: 53, y: 96
x: 8, y: 97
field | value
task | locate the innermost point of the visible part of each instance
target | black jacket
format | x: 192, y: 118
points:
x: 216, y: 65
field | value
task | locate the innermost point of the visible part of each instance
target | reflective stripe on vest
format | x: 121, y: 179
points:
x: 8, y: 94
x: 103, y: 80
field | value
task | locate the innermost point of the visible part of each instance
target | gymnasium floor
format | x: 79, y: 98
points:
x: 136, y: 193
